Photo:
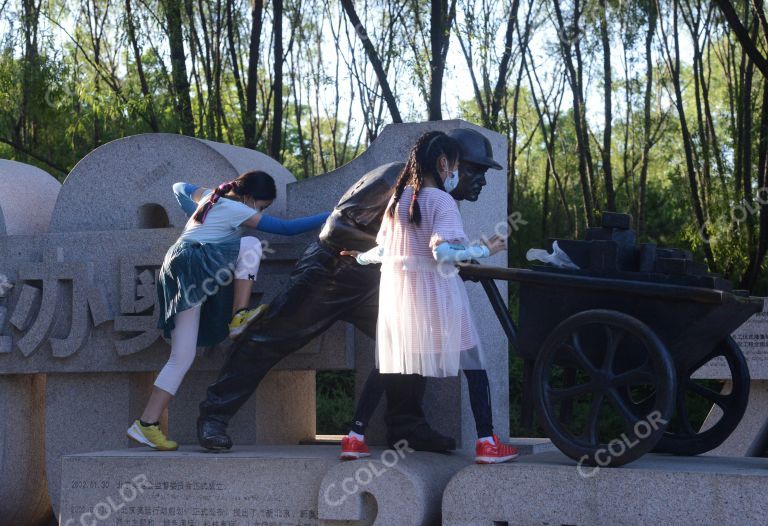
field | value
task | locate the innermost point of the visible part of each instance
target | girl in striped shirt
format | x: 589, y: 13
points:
x: 425, y: 322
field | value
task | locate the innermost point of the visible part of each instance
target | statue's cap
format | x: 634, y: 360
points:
x: 475, y: 147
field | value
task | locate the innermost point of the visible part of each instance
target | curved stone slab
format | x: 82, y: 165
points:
x: 27, y: 198
x: 126, y: 184
x: 407, y: 487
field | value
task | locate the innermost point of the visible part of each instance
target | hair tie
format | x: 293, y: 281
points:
x: 222, y: 189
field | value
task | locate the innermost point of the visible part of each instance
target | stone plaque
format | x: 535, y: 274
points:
x: 245, y: 487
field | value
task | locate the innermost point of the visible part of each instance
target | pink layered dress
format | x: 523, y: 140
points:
x: 425, y: 324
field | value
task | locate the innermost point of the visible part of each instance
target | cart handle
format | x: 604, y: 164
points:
x: 476, y: 272
x: 501, y: 311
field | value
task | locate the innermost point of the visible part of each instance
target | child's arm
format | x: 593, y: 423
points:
x: 188, y: 194
x: 286, y: 227
x: 375, y: 255
x: 183, y: 193
x: 448, y: 253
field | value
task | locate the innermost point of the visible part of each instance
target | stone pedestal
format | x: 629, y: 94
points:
x: 298, y: 485
x: 406, y: 488
x: 87, y: 412
x: 243, y: 486
x: 23, y: 489
x: 550, y: 489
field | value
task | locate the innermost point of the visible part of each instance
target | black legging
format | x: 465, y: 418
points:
x: 479, y: 398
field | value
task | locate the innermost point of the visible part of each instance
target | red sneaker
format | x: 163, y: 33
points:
x: 352, y: 448
x: 495, y: 453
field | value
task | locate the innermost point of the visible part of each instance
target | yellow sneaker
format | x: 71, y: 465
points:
x: 151, y: 436
x: 242, y: 319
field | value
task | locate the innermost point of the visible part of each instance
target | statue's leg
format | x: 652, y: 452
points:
x: 303, y: 310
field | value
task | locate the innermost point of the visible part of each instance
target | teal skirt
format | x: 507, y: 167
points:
x: 193, y: 273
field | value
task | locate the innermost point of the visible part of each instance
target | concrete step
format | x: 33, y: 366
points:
x: 550, y: 488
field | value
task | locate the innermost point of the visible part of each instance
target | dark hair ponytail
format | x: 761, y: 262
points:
x: 422, y: 162
x: 256, y: 184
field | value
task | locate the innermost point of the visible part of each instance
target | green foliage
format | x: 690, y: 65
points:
x: 335, y: 401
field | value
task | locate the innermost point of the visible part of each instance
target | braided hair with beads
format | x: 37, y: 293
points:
x: 423, y: 162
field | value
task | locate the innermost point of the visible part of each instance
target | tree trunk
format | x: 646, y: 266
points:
x: 249, y: 120
x: 607, y: 88
x: 441, y: 18
x: 582, y: 138
x: 747, y: 43
x: 275, y: 143
x: 131, y: 30
x: 687, y: 143
x: 179, y: 67
x: 373, y: 57
x: 652, y: 17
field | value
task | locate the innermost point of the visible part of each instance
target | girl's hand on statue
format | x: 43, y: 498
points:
x: 352, y: 253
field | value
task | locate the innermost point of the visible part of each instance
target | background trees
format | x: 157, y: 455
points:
x: 656, y: 107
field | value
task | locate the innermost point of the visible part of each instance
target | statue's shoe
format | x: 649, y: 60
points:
x: 212, y: 434
x: 424, y: 438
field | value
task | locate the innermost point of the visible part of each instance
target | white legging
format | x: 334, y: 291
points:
x: 187, y: 322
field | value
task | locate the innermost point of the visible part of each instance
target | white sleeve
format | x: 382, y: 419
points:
x: 374, y: 255
x: 445, y: 252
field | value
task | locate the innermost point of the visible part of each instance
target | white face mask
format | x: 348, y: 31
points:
x: 452, y: 181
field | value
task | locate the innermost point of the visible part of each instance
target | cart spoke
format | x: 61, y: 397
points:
x: 622, y: 407
x: 594, y: 418
x: 575, y: 347
x: 566, y: 393
x: 613, y: 337
x: 639, y: 376
x: 709, y: 394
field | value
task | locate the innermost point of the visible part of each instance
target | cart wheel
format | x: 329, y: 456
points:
x: 618, y: 361
x: 681, y: 438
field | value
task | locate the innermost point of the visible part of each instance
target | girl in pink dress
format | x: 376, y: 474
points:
x: 425, y: 323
